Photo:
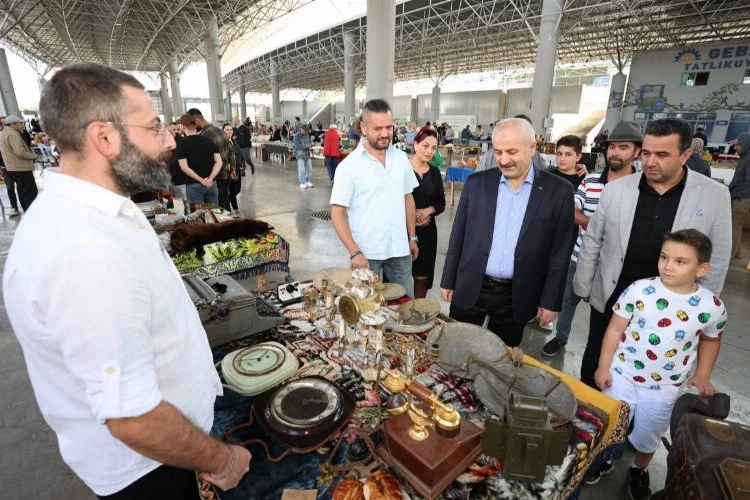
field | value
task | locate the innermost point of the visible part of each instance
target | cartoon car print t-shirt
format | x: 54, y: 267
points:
x: 658, y: 346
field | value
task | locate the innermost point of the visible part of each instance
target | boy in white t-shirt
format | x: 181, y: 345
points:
x: 660, y: 328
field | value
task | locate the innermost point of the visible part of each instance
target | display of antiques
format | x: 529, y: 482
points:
x: 228, y: 311
x: 422, y: 436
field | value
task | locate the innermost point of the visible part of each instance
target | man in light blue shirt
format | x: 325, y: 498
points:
x: 372, y: 208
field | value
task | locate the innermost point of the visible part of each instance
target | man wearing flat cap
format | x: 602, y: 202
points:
x: 19, y: 160
x: 623, y: 239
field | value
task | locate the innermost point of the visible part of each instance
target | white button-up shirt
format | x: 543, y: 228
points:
x: 374, y: 196
x: 106, y: 326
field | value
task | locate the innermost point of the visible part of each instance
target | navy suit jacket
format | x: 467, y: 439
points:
x: 542, y: 253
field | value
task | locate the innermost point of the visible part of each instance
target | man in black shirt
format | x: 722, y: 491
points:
x: 700, y: 135
x: 201, y: 162
x: 243, y: 139
x: 623, y: 240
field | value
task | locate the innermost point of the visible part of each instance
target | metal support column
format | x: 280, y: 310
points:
x: 275, y: 98
x: 213, y: 65
x: 304, y: 111
x: 616, y: 95
x: 350, y: 76
x: 174, y: 81
x: 381, y: 46
x: 544, y: 73
x: 435, y: 105
x: 228, y: 107
x: 243, y: 103
x: 166, y: 104
x: 7, y: 92
x: 413, y: 110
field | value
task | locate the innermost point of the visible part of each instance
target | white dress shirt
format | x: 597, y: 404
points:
x: 374, y: 196
x: 106, y: 326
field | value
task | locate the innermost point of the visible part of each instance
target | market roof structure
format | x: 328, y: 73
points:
x: 132, y: 35
x: 434, y: 38
x: 438, y: 38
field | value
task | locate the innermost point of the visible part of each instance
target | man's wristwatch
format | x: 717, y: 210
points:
x: 413, y: 238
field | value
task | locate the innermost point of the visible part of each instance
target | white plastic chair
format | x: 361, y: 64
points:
x: 45, y: 156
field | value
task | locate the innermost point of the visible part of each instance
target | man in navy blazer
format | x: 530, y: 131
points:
x: 509, y: 247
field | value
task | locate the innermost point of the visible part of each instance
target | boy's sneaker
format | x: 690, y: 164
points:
x: 639, y: 484
x: 605, y: 469
x: 310, y: 184
x: 303, y: 186
x: 553, y: 347
x: 14, y: 213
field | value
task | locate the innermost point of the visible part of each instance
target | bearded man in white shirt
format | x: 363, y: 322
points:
x: 116, y: 353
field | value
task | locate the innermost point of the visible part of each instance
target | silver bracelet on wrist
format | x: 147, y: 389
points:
x: 231, y: 466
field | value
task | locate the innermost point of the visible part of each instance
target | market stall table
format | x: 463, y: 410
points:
x: 457, y: 174
x: 599, y: 424
x: 240, y: 257
x: 279, y: 149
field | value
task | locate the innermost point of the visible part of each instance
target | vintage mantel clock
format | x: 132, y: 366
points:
x: 254, y: 369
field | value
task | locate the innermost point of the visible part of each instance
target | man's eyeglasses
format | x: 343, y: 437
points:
x: 159, y: 129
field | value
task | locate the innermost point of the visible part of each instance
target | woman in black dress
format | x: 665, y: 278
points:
x: 429, y: 198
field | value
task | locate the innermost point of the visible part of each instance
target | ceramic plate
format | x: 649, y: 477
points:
x: 409, y: 328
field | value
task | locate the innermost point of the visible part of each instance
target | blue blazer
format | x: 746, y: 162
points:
x: 542, y: 252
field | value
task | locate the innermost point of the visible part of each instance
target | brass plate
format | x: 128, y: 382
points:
x: 391, y: 291
x: 418, y: 311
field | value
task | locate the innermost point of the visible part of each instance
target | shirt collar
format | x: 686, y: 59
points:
x: 603, y: 176
x: 85, y: 192
x: 364, y: 153
x: 528, y: 180
x: 643, y: 183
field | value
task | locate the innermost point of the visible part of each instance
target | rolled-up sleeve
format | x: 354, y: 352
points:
x: 343, y: 189
x: 102, y: 327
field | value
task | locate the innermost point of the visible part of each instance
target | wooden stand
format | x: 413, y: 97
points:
x: 430, y: 465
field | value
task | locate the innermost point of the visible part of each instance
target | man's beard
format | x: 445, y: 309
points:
x: 616, y: 165
x: 374, y: 144
x: 134, y: 172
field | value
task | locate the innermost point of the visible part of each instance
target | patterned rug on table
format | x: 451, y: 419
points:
x: 267, y: 479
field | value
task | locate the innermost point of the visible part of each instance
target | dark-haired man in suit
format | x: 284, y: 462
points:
x: 509, y: 247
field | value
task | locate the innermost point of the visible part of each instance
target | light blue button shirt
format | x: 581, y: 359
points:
x: 374, y: 196
x: 511, y: 209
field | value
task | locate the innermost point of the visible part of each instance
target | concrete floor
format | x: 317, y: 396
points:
x: 30, y: 464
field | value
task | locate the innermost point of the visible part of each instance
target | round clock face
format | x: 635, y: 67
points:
x: 258, y: 360
x: 305, y: 403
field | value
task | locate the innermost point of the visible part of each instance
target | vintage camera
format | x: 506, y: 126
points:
x: 289, y: 293
x: 525, y: 442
